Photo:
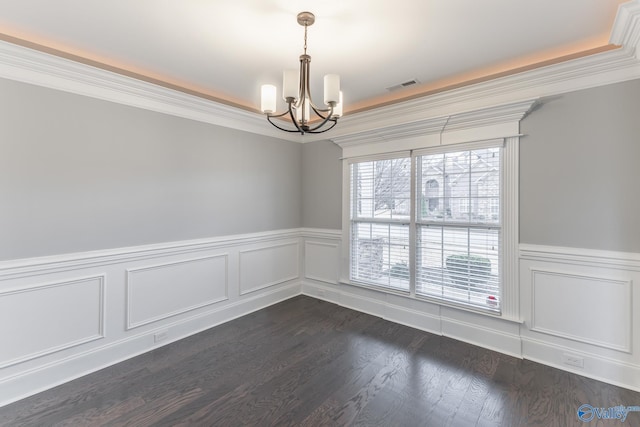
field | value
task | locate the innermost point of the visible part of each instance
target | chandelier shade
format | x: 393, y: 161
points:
x: 302, y: 113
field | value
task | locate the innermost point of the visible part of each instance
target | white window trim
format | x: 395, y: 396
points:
x: 469, y: 129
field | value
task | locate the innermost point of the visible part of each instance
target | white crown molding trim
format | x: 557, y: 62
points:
x: 583, y: 73
x: 601, y: 69
x: 392, y: 132
x: 39, y: 68
x: 42, y: 69
x: 626, y: 28
x: 490, y: 118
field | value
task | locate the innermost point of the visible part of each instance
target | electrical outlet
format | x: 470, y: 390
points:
x: 160, y: 336
x: 573, y: 360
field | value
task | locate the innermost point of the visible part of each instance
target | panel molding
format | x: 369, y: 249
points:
x: 334, y: 246
x: 100, y: 334
x: 277, y: 281
x: 129, y: 283
x: 615, y: 360
x: 628, y: 321
x: 28, y: 377
x: 29, y: 382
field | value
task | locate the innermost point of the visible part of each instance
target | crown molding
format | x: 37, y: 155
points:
x: 498, y: 121
x: 604, y: 68
x: 414, y: 116
x: 583, y: 73
x: 43, y: 69
x: 489, y: 116
x: 626, y: 28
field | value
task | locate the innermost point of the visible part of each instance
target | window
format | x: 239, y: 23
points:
x: 462, y: 207
x: 457, y: 254
x: 429, y: 224
x: 380, y: 215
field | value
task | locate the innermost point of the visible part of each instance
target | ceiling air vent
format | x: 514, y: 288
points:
x: 403, y: 85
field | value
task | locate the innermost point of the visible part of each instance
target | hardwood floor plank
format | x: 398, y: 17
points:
x: 100, y: 414
x: 305, y: 362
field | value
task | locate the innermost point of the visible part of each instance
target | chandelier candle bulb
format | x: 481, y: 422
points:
x: 331, y: 88
x: 337, y: 110
x: 290, y: 83
x: 268, y: 98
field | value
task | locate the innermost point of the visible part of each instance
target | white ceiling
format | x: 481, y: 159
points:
x: 227, y: 49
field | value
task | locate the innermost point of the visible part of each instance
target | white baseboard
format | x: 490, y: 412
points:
x: 489, y: 338
x: 543, y: 336
x: 600, y: 368
x: 74, y: 314
x: 420, y: 315
x: 580, y: 304
x: 66, y: 369
x: 97, y: 282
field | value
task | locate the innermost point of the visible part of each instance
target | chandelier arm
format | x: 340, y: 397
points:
x: 277, y: 115
x: 281, y: 128
x: 326, y: 119
x: 319, y: 111
x: 314, y: 130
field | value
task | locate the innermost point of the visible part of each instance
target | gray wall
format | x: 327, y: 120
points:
x: 580, y: 170
x: 80, y: 174
x: 322, y: 185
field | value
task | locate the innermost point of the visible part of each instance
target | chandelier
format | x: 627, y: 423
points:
x: 295, y: 91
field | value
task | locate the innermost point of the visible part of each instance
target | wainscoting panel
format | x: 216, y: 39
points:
x: 44, y: 318
x: 555, y: 294
x: 321, y: 261
x: 65, y: 316
x: 580, y: 309
x: 268, y: 266
x: 160, y: 291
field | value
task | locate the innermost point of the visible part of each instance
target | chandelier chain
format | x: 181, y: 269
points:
x: 305, y: 38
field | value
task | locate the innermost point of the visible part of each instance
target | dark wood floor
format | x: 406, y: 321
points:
x: 305, y: 362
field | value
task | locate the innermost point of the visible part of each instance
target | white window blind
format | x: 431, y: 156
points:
x: 458, y: 226
x: 380, y: 217
x: 435, y: 232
